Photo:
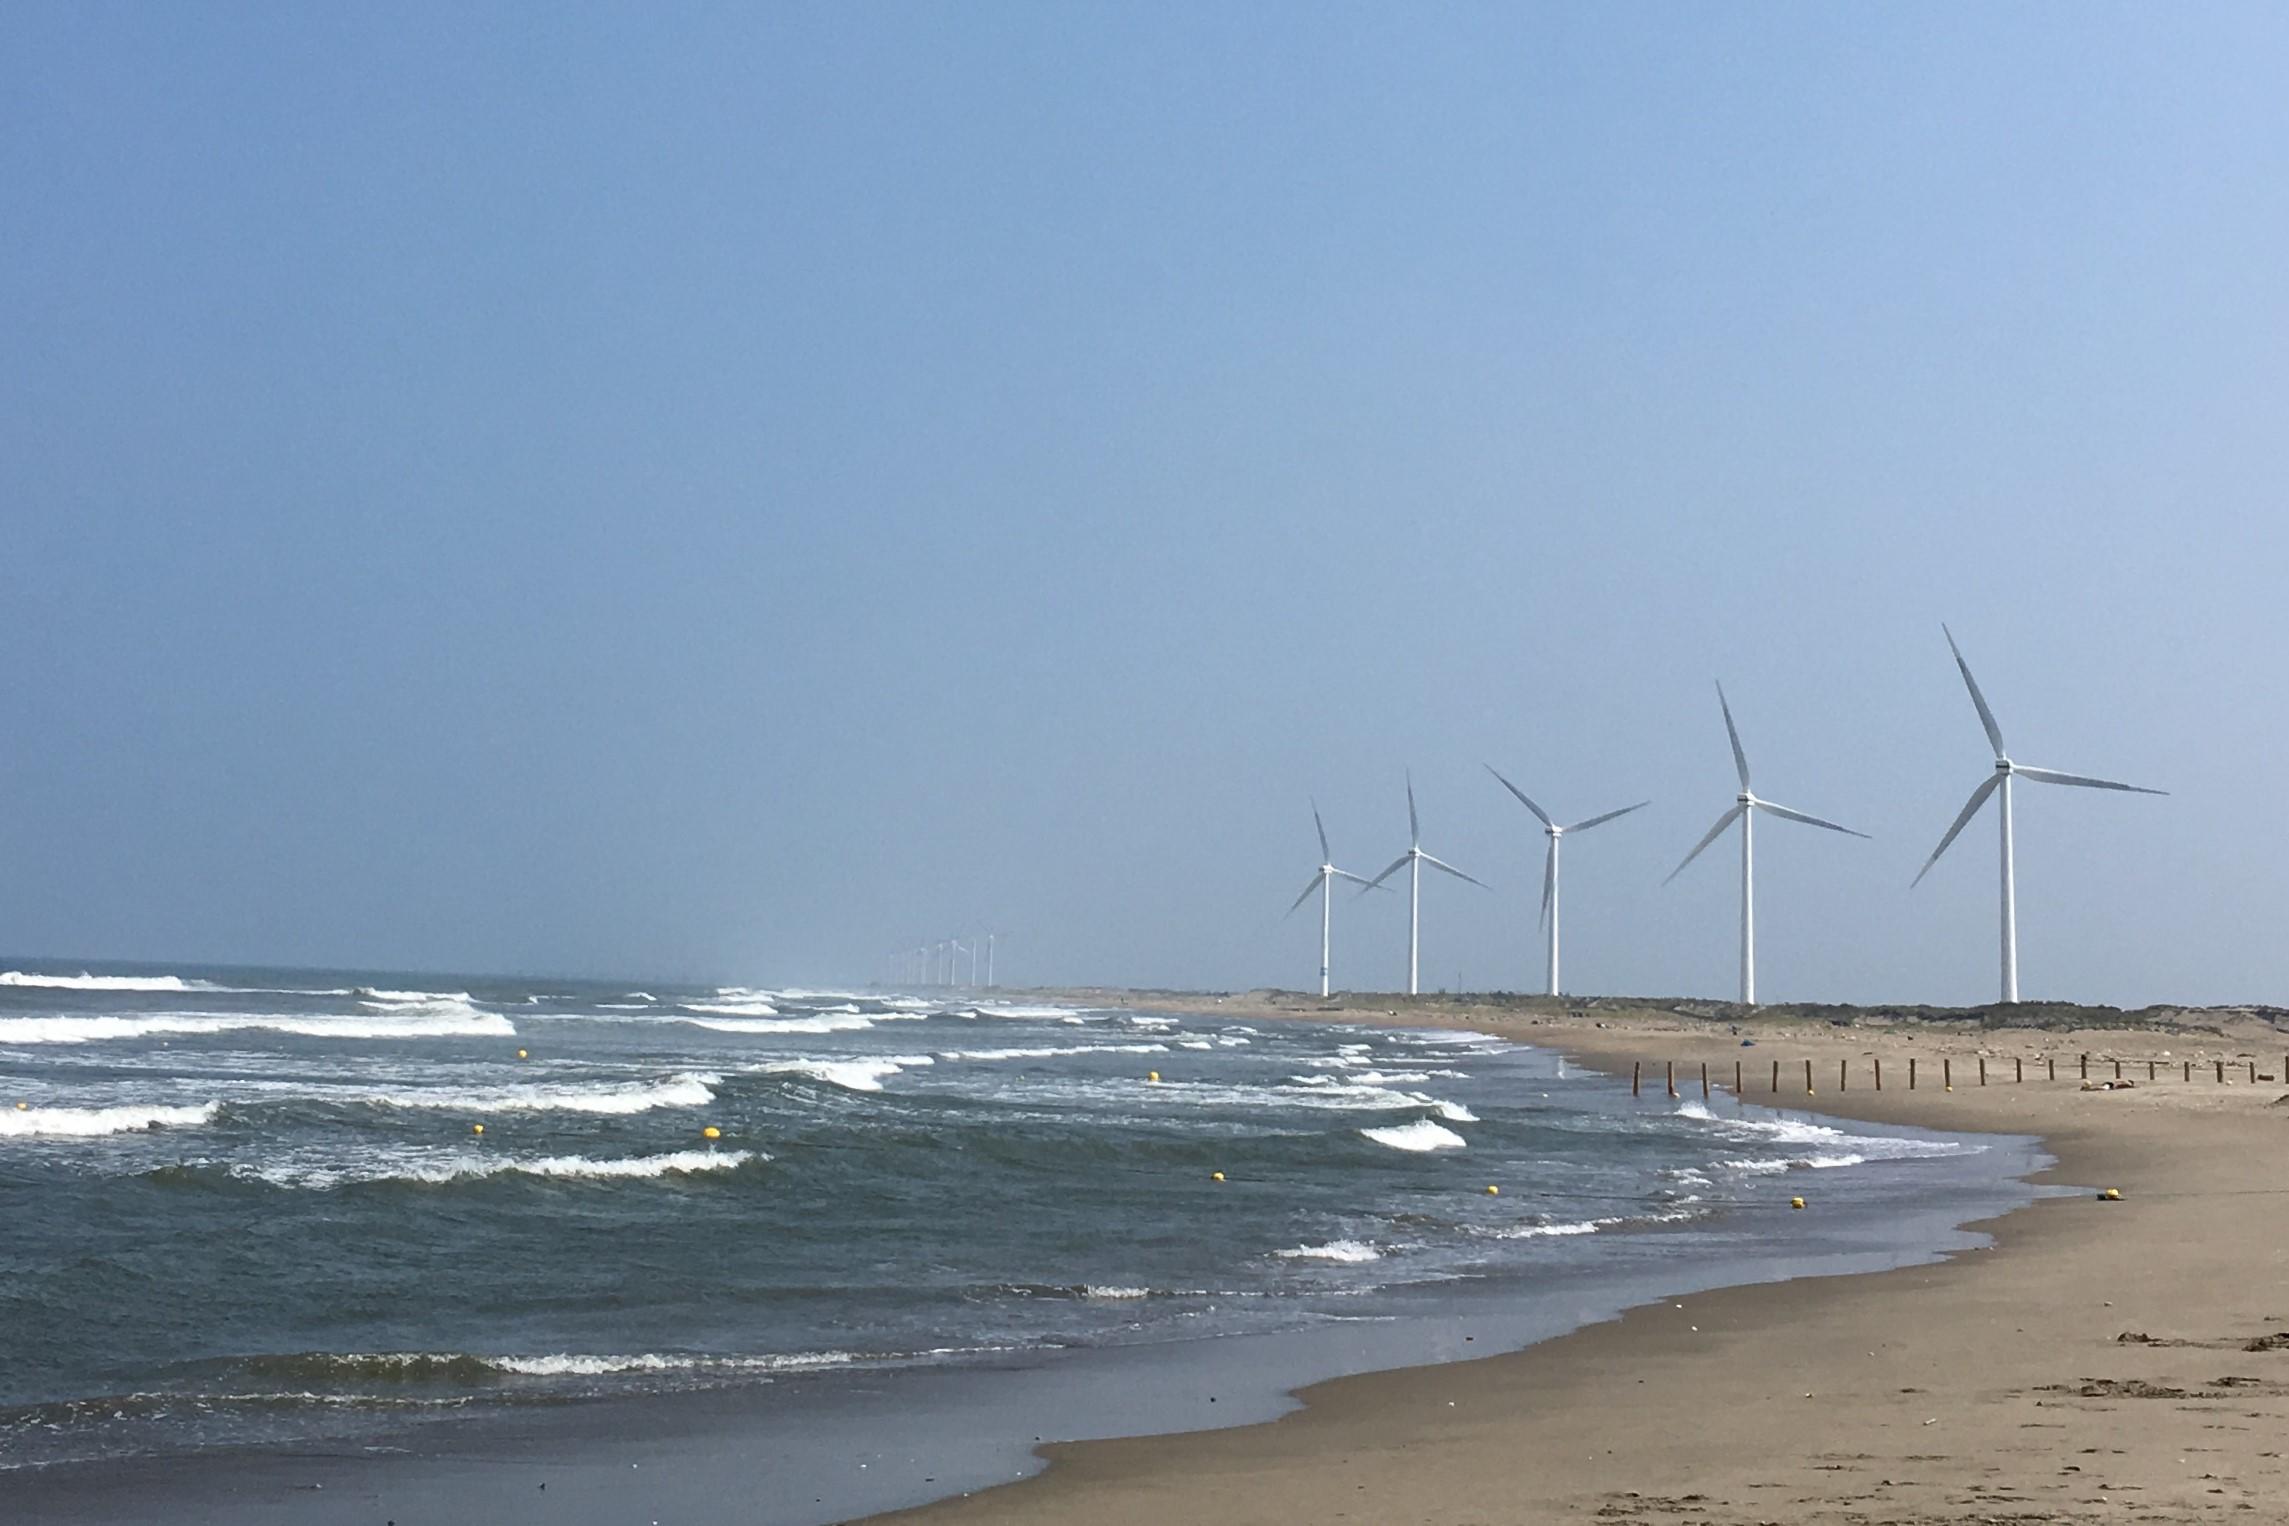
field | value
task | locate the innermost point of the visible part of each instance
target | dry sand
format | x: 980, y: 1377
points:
x: 2105, y: 1361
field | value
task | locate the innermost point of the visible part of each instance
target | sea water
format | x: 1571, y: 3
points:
x: 253, y: 1208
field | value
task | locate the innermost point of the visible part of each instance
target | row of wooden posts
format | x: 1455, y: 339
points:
x: 1946, y: 1073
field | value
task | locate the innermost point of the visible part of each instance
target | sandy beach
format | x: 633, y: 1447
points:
x: 2104, y: 1361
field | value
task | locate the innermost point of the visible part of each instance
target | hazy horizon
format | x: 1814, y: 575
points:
x: 731, y: 494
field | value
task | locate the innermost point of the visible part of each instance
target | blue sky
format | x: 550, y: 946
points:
x: 735, y: 490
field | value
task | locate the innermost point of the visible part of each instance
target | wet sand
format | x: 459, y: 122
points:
x: 2104, y: 1361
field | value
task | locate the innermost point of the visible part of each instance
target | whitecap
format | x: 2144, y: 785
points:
x: 851, y: 1075
x: 1422, y: 1134
x: 470, y: 1166
x: 87, y: 1122
x: 454, y: 1021
x: 86, y: 982
x: 1351, y: 1251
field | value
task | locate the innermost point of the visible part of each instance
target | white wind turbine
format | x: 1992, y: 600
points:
x: 1413, y: 860
x: 1324, y: 883
x: 1554, y: 832
x: 1998, y: 784
x: 1745, y: 807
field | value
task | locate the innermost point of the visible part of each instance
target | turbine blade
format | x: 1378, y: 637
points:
x: 1324, y: 855
x: 1811, y: 821
x: 1599, y: 821
x: 1549, y: 880
x: 1986, y: 716
x: 1714, y: 833
x: 1542, y: 815
x: 1345, y: 874
x: 2050, y: 776
x: 1414, y: 827
x: 1962, y: 820
x: 1396, y: 865
x: 1316, y: 881
x: 1440, y: 863
x: 1740, y: 758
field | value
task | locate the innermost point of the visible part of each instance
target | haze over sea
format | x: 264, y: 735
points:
x: 251, y: 1205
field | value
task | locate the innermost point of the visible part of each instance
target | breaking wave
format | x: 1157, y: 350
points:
x: 851, y: 1075
x: 1420, y: 1135
x: 430, y: 1020
x: 89, y: 1122
x: 87, y: 982
x: 436, y: 1171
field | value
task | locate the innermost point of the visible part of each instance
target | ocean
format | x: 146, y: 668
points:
x: 254, y: 1208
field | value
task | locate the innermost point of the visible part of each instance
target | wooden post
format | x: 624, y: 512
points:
x: 2086, y: 1067
x: 1704, y: 1080
x: 1672, y: 1078
x: 1841, y: 1084
x: 1879, y: 1072
x: 2253, y: 1072
x: 1738, y: 1094
x: 2149, y: 1070
x: 1808, y: 1076
x: 2189, y: 1075
x: 1634, y: 1067
x: 1947, y: 1072
x: 2019, y: 1071
x: 2051, y: 1065
x: 1776, y: 1078
x: 1982, y: 1070
x: 2221, y: 1072
x: 1911, y: 1072
x: 2117, y: 1069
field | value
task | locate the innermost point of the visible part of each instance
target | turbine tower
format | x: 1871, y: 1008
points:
x: 1745, y: 807
x: 1324, y: 883
x: 1998, y: 784
x: 1413, y: 860
x: 1554, y: 832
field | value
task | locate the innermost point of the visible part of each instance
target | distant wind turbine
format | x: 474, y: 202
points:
x: 1554, y: 832
x: 1324, y: 883
x: 1998, y: 784
x: 1413, y: 860
x: 1745, y: 807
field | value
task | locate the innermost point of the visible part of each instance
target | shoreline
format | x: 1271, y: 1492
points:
x: 2002, y: 1381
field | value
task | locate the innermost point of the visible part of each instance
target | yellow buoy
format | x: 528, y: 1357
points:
x: 1796, y: 1202
x: 522, y: 1055
x: 711, y: 1132
x: 476, y: 1128
x: 1216, y: 1176
x: 1153, y: 1076
x: 1492, y: 1190
x: 2111, y: 1195
x: 23, y: 1107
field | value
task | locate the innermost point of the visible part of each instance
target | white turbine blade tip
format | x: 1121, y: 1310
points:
x: 2081, y: 781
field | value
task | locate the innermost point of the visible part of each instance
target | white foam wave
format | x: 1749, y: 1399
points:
x: 1420, y: 1135
x: 88, y: 1122
x: 1115, y: 1294
x: 469, y: 1166
x: 86, y: 982
x: 735, y: 1008
x: 442, y: 1021
x: 1833, y: 1144
x: 1051, y: 1051
x: 567, y: 1364
x: 851, y: 1075
x: 686, y: 1089
x: 782, y: 1024
x: 1352, y: 1251
x: 398, y: 998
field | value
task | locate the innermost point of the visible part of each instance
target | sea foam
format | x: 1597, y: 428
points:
x: 1422, y: 1134
x: 88, y: 1122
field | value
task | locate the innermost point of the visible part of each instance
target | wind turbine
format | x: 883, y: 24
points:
x: 1324, y: 883
x: 1998, y: 784
x: 1413, y: 860
x: 1554, y: 832
x: 1745, y: 807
